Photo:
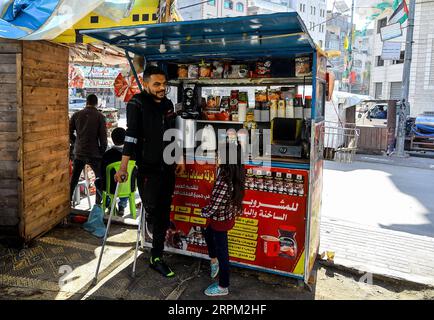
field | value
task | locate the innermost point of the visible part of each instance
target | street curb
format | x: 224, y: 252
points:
x: 392, y: 161
x: 384, y: 278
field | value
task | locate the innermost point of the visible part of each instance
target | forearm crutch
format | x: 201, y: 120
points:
x: 139, y: 229
x: 112, y: 209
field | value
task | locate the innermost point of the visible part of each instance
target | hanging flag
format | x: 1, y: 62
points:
x: 400, y: 14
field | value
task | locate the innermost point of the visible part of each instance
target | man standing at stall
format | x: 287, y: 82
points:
x: 149, y: 115
x: 90, y: 142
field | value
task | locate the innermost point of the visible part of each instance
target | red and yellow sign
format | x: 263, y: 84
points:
x: 269, y: 235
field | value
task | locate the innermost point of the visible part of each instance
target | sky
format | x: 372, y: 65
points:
x: 358, y: 20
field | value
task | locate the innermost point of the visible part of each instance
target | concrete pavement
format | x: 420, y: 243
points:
x: 33, y: 273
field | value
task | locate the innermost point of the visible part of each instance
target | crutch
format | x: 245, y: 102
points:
x: 112, y: 209
x: 139, y: 230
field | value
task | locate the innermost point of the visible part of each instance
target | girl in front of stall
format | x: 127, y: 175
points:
x: 225, y: 204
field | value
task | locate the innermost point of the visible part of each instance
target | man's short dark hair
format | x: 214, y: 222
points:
x: 118, y: 136
x: 92, y: 100
x: 151, y: 70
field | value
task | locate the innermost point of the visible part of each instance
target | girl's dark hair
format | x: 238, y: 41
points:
x: 232, y: 169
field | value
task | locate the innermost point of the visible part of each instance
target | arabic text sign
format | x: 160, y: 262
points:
x: 391, y: 50
x: 98, y: 83
x: 391, y: 32
x: 99, y: 72
x: 270, y: 234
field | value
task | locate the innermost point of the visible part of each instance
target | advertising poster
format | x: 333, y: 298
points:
x: 270, y: 235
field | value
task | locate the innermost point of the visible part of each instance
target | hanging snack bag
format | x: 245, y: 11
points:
x: 303, y: 67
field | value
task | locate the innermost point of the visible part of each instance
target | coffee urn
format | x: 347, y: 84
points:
x: 187, y: 131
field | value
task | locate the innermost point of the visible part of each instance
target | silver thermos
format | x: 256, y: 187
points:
x: 187, y: 131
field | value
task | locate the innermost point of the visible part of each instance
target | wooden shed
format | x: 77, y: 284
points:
x: 34, y: 148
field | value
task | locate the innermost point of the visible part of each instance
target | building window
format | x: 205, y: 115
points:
x: 94, y: 19
x: 239, y: 7
x: 378, y: 90
x: 229, y: 5
x: 380, y: 24
x: 301, y: 7
x: 145, y: 17
x: 211, y: 3
x: 395, y: 90
x: 314, y: 11
x: 154, y: 16
x: 379, y: 62
x: 401, y: 58
x: 136, y: 17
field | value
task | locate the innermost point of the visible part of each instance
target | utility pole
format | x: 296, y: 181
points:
x: 404, y: 107
x: 351, y: 47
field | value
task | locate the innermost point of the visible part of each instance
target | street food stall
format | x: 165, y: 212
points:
x: 252, y: 79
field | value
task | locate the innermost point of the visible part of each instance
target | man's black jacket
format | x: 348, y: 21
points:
x: 147, y: 121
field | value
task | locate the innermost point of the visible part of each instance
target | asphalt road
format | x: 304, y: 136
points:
x: 387, y: 196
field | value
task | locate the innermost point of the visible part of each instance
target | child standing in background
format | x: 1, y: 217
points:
x: 226, y: 203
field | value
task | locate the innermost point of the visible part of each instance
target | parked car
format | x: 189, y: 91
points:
x: 373, y: 115
x: 77, y: 103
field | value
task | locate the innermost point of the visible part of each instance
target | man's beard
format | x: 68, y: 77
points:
x: 155, y: 96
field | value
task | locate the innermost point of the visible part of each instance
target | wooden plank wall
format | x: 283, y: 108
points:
x: 10, y: 57
x: 45, y: 137
x: 372, y: 139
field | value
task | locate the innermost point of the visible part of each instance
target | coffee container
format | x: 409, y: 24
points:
x: 298, y: 106
x: 269, y: 182
x: 299, y: 185
x: 259, y: 181
x: 278, y: 183
x: 265, y: 112
x: 258, y: 111
x: 273, y: 109
x: 289, y: 185
x: 250, y: 180
x: 289, y: 111
x: 242, y: 111
x: 281, y: 109
x: 307, y: 110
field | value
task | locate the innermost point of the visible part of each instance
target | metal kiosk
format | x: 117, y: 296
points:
x: 279, y: 230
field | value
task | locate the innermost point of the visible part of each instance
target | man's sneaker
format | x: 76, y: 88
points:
x: 158, y: 265
x: 214, y: 269
x: 215, y: 290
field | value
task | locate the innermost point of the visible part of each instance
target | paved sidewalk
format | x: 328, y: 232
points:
x: 379, y: 251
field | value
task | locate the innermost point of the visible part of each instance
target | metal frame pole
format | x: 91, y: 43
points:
x: 133, y: 69
x: 404, y: 107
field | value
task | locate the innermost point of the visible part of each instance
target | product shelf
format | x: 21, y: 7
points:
x: 244, y: 82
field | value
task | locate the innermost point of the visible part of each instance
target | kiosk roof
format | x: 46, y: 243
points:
x: 278, y: 34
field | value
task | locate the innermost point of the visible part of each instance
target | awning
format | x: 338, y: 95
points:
x: 280, y: 34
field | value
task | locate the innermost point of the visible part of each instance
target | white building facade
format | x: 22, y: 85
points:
x: 191, y: 10
x: 313, y: 13
x: 386, y: 77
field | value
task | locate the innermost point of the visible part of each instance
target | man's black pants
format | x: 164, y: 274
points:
x: 78, y: 166
x: 156, y: 191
